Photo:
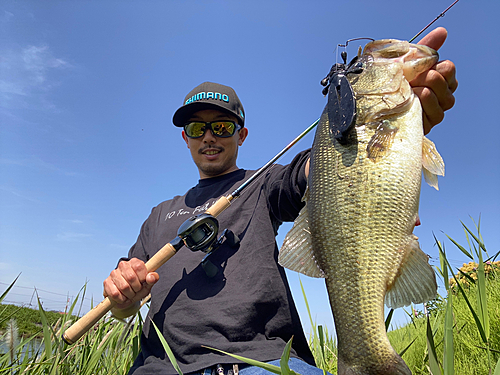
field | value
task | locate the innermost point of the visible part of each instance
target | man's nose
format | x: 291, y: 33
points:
x: 208, y: 137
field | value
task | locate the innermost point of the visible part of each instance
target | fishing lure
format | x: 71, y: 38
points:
x: 341, y: 106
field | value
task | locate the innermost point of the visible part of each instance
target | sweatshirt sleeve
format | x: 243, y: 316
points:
x: 285, y: 187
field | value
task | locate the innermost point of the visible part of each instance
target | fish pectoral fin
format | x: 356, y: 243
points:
x: 416, y: 282
x: 381, y: 141
x: 432, y: 163
x: 296, y: 253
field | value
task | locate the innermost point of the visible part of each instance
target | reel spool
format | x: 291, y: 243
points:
x: 199, y: 233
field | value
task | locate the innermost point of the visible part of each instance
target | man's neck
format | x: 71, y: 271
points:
x: 204, y: 176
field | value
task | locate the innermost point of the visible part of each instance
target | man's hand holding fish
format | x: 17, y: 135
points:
x: 436, y: 86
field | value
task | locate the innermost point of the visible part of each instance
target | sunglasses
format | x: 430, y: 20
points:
x: 221, y: 129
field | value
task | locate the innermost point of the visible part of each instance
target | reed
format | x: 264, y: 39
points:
x: 109, y: 348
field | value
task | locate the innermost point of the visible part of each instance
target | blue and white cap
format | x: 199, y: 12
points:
x: 209, y: 95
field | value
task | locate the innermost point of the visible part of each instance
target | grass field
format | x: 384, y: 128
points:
x: 457, y: 334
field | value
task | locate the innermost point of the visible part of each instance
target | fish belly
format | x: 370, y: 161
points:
x: 361, y: 215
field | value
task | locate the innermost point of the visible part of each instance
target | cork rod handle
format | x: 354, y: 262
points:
x: 82, y: 325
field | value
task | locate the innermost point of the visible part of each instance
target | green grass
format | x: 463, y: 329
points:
x: 109, y: 348
x: 457, y: 334
x: 460, y: 331
x: 28, y: 320
x: 469, y: 355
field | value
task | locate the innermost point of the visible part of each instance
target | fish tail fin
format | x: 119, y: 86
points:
x: 416, y: 282
x: 393, y: 366
x: 296, y: 253
x: 432, y: 163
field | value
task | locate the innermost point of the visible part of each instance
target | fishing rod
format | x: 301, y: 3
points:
x: 435, y: 19
x: 196, y: 233
x: 341, y: 105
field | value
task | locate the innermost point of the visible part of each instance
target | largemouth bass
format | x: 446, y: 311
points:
x: 356, y: 228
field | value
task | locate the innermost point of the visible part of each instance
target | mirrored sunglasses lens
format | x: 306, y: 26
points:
x: 223, y: 128
x: 195, y: 129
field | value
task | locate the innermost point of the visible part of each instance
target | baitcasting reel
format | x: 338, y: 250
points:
x: 199, y: 233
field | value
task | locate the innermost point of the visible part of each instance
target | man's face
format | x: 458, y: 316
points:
x: 212, y: 155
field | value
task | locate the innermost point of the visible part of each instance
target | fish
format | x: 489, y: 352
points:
x: 361, y: 207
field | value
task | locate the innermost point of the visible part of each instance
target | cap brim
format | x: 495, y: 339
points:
x: 182, y: 115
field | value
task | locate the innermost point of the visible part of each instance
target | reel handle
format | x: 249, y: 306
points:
x: 82, y: 325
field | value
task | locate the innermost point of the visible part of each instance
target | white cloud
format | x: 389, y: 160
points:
x: 5, y: 266
x: 37, y: 62
x: 17, y: 194
x: 72, y: 236
x: 25, y: 72
x: 115, y: 246
x: 37, y: 163
x: 7, y: 16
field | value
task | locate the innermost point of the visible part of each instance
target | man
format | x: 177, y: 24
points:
x: 244, y: 307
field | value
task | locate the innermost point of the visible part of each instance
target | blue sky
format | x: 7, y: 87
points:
x: 88, y: 90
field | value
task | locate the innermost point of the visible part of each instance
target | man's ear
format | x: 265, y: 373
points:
x: 242, y: 136
x: 186, y: 139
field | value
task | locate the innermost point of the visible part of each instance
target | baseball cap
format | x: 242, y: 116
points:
x: 209, y: 95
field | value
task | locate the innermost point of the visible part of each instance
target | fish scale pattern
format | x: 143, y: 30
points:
x: 374, y: 207
x: 362, y: 205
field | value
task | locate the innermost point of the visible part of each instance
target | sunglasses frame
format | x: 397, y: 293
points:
x: 208, y: 125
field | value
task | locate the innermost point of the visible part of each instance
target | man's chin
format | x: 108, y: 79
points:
x: 213, y: 170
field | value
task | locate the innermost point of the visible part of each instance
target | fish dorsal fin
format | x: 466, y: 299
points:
x: 416, y: 282
x: 296, y: 253
x: 432, y: 163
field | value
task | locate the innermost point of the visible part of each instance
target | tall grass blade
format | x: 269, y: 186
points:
x: 497, y: 368
x: 388, y: 319
x: 169, y: 352
x: 478, y: 240
x: 285, y: 369
x: 307, y: 304
x: 263, y: 365
x: 47, y: 342
x: 84, y: 288
x: 469, y: 255
x: 252, y: 362
x: 473, y: 312
x: 407, y: 347
x: 4, y: 294
x: 72, y: 307
x: 448, y: 351
x: 321, y: 335
x: 481, y: 295
x: 135, y: 346
x: 464, y: 274
x: 448, y: 348
x: 431, y: 348
x: 99, y: 346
